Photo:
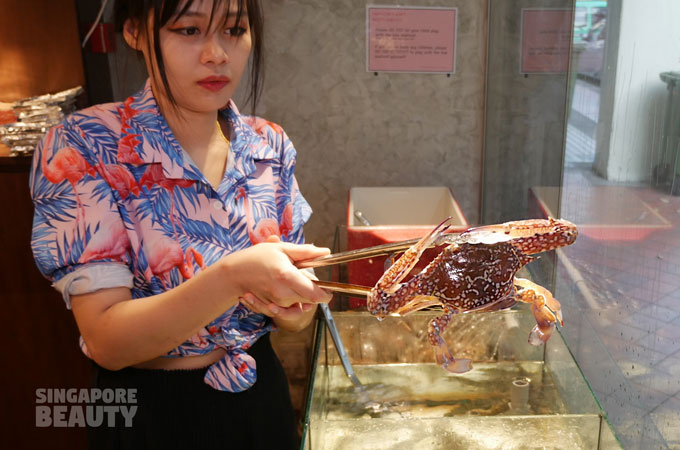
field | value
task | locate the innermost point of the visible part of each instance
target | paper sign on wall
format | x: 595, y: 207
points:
x: 411, y: 39
x: 546, y: 37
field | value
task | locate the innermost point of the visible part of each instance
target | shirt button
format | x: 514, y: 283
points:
x: 218, y: 204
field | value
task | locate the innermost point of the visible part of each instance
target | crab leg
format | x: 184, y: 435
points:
x: 378, y: 299
x: 441, y: 351
x: 391, y: 279
x: 545, y: 308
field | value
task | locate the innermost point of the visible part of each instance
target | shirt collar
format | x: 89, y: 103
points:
x: 146, y: 138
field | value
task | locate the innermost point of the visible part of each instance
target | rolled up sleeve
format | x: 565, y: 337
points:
x: 77, y: 227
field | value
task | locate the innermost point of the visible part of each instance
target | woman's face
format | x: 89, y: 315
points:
x: 204, y: 61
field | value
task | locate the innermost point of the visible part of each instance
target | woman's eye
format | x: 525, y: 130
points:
x: 236, y: 31
x: 188, y: 31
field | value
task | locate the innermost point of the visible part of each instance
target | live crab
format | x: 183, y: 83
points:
x: 474, y: 273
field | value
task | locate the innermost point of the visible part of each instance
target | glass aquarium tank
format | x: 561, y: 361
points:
x: 598, y: 143
x: 515, y: 396
x: 562, y: 108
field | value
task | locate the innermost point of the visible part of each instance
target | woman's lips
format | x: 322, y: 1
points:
x: 214, y: 84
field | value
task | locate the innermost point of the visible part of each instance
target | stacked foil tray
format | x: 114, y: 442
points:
x: 35, y: 116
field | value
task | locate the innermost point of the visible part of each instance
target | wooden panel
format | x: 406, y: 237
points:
x: 295, y: 351
x: 39, y: 48
x: 39, y: 334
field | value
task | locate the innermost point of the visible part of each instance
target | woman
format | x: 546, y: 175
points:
x: 146, y: 218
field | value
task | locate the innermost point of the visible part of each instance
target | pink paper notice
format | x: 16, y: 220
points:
x: 546, y: 36
x: 411, y: 39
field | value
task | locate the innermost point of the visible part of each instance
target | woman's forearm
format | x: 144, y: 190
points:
x: 121, y: 332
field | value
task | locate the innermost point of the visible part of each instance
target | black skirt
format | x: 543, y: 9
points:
x: 177, y: 410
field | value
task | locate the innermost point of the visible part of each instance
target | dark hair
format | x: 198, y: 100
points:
x: 163, y: 10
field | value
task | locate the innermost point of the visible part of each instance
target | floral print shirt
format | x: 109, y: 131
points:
x: 114, y: 193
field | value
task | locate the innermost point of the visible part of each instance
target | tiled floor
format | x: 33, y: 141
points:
x: 635, y: 321
x: 627, y: 333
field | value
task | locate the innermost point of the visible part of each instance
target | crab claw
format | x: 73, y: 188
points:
x: 540, y: 334
x: 539, y: 296
x: 546, y: 310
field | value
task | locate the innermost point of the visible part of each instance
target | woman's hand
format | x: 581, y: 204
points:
x: 291, y: 313
x: 267, y: 272
x: 291, y: 318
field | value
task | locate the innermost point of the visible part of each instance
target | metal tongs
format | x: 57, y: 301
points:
x: 364, y: 253
x: 353, y: 289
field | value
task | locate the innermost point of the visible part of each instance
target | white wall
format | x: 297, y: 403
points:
x: 648, y: 44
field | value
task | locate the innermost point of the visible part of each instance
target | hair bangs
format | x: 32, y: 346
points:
x: 173, y: 10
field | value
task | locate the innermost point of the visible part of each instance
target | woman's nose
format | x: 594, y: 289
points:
x: 213, y: 52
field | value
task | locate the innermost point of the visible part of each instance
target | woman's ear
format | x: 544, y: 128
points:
x: 131, y: 34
